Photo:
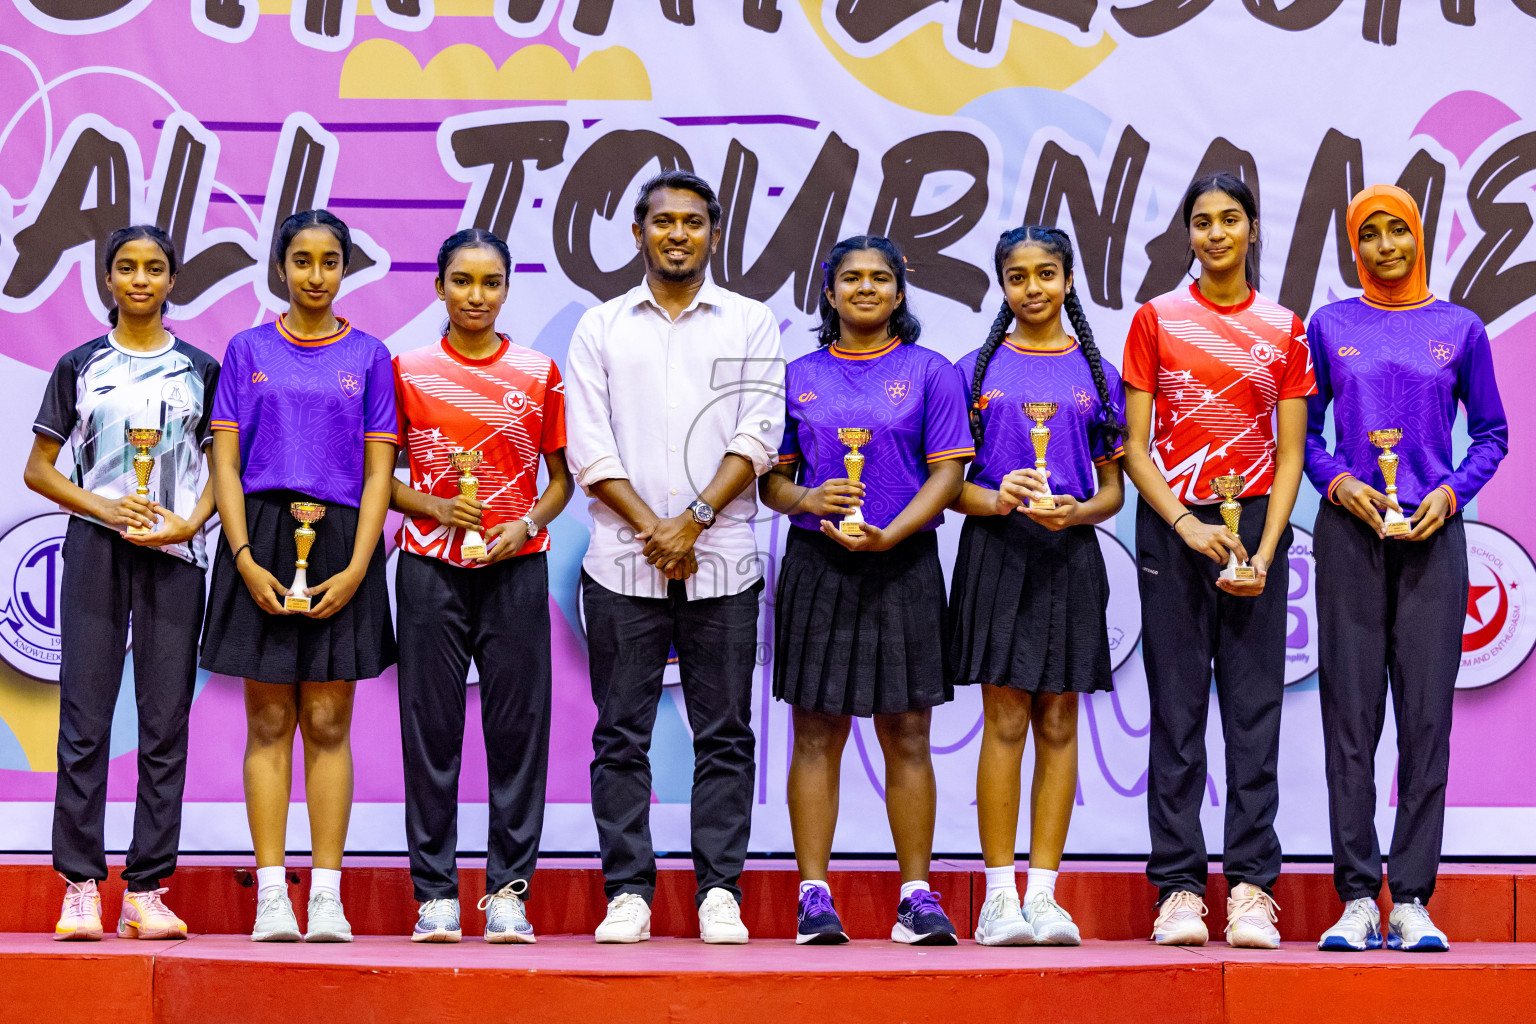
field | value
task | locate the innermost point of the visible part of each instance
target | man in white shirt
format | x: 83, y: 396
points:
x: 675, y: 399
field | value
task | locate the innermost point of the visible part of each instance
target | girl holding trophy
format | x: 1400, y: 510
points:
x: 1220, y: 365
x: 860, y: 603
x: 1030, y: 589
x: 475, y: 412
x: 304, y: 435
x: 134, y: 545
x: 1392, y: 589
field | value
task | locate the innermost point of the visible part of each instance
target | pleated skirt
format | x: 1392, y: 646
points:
x: 860, y: 633
x: 1027, y: 607
x: 239, y: 639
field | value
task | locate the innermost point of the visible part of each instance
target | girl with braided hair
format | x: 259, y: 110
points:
x: 1029, y: 588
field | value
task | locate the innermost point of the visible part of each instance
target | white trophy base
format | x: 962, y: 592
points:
x: 852, y: 525
x: 1238, y: 573
x: 1395, y: 524
x: 297, y: 600
x: 473, y: 546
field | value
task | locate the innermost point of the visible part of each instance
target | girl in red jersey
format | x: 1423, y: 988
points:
x: 1220, y: 366
x: 474, y: 390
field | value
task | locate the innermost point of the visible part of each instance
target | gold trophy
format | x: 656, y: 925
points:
x: 1040, y: 436
x: 1229, y: 487
x: 305, y: 512
x: 853, y: 464
x: 466, y: 462
x: 1393, y: 524
x: 143, y: 438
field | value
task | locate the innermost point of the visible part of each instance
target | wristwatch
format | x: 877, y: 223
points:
x: 533, y: 527
x: 703, y: 513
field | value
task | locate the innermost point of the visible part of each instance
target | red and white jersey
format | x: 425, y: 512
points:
x: 1217, y: 373
x: 509, y: 407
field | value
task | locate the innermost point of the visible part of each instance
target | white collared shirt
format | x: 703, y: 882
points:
x: 660, y: 402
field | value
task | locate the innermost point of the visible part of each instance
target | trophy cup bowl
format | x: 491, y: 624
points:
x: 1229, y: 487
x: 1393, y: 522
x: 1040, y: 436
x: 143, y: 439
x: 466, y: 462
x: 853, y: 464
x: 305, y: 512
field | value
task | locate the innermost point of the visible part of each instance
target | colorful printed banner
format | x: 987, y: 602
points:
x: 939, y: 124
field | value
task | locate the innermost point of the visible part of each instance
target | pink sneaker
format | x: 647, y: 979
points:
x: 1251, y: 918
x: 1179, y: 921
x: 145, y: 917
x: 81, y: 916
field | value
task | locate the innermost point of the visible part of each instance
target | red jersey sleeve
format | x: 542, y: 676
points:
x: 553, y: 438
x: 1141, y: 359
x: 1300, y: 378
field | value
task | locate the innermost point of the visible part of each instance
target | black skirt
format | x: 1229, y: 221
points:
x: 239, y: 639
x: 1028, y: 607
x: 860, y: 633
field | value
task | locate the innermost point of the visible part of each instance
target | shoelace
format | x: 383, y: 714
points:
x: 1416, y: 913
x: 433, y: 908
x: 925, y: 901
x: 1255, y: 903
x: 1181, y: 902
x: 626, y: 907
x: 1358, y: 912
x: 507, y: 893
x: 1006, y: 901
x: 77, y: 898
x: 1043, y: 902
x: 149, y: 902
x: 816, y: 901
x: 722, y: 908
x: 319, y: 900
x: 272, y: 902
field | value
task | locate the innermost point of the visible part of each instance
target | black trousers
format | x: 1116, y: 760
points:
x: 1187, y: 625
x: 499, y: 616
x: 1387, y: 610
x: 628, y: 639
x: 107, y: 579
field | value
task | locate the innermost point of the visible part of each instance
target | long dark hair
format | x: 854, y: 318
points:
x: 904, y: 326
x: 472, y: 238
x: 1232, y: 185
x: 121, y: 237
x: 1108, y: 428
x: 311, y: 219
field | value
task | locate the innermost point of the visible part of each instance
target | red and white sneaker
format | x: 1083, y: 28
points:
x: 145, y: 917
x: 80, y: 919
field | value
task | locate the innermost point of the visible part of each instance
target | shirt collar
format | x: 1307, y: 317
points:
x: 709, y: 294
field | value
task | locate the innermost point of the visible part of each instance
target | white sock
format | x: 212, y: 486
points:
x: 908, y: 888
x: 269, y: 881
x: 325, y: 880
x: 1040, y: 880
x: 812, y: 883
x: 1003, y: 879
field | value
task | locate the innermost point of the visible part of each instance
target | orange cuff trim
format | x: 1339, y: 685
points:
x: 1114, y: 456
x: 380, y: 435
x: 224, y: 425
x: 1452, y: 495
x: 953, y: 453
x: 1333, y: 485
x: 785, y: 460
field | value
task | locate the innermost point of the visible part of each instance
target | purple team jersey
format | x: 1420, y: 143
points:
x: 304, y: 408
x: 1016, y: 375
x: 1405, y: 368
x: 908, y: 396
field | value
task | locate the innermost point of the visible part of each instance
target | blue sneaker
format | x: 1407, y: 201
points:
x: 920, y: 921
x: 1410, y: 930
x: 1357, y: 930
x: 437, y: 921
x: 819, y: 923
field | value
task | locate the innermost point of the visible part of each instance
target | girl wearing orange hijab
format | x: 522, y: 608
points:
x: 1391, y: 596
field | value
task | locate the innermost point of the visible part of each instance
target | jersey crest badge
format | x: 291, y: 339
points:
x: 1441, y: 352
x: 351, y: 383
x: 896, y: 390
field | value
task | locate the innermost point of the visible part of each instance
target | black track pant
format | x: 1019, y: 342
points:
x: 1387, y: 610
x: 499, y: 616
x: 1187, y: 625
x: 627, y: 642
x: 105, y: 579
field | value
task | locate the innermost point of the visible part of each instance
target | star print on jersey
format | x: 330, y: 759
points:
x: 1411, y: 371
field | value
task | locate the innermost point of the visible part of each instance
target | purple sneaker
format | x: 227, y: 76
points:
x: 819, y: 923
x: 920, y: 921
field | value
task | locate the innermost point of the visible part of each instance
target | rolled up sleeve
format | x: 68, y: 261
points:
x: 760, y: 424
x: 590, y: 444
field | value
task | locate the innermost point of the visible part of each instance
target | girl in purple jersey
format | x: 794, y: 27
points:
x: 860, y: 617
x: 1029, y: 588
x: 305, y: 412
x: 1392, y: 607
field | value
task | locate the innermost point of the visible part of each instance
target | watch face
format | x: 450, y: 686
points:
x: 703, y: 513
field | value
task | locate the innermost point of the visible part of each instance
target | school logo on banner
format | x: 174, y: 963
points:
x: 31, y: 576
x: 1498, y: 632
x: 1301, y: 609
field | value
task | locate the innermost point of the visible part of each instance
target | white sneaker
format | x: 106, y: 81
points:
x: 327, y: 921
x: 1358, y: 929
x: 506, y: 916
x: 1251, y: 918
x: 1410, y: 930
x: 1053, y: 926
x: 628, y: 920
x: 275, y: 921
x: 720, y: 919
x: 1002, y: 921
x: 1179, y: 921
